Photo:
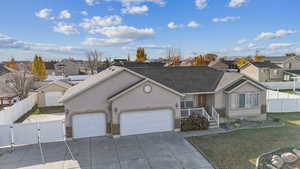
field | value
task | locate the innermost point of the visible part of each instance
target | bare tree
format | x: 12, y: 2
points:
x: 20, y: 82
x: 93, y: 57
x: 173, y: 56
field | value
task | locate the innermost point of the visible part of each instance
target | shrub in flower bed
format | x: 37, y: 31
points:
x: 194, y: 122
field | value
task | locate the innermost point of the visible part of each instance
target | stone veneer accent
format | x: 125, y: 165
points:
x: 115, y: 129
x: 69, y: 132
x: 263, y: 109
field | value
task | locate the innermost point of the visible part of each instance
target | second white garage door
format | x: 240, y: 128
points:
x: 142, y: 122
x: 89, y: 125
x: 51, y: 98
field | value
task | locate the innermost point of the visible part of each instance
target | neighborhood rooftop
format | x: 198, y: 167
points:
x: 184, y: 79
x: 266, y: 64
x: 3, y: 70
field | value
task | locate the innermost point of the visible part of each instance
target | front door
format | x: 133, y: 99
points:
x: 202, y: 100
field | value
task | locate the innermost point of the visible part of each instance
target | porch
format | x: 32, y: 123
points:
x: 200, y: 104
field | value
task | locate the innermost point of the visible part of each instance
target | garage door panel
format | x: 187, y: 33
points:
x: 89, y: 125
x: 142, y: 122
x: 51, y: 98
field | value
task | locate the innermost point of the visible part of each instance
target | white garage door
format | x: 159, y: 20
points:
x: 51, y: 98
x: 89, y: 125
x: 142, y: 122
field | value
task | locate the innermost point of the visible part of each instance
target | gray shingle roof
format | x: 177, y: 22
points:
x: 265, y: 65
x: 184, y: 79
x: 3, y: 70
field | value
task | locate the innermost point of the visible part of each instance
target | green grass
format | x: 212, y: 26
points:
x: 235, y: 150
x: 48, y: 110
x: 287, y: 91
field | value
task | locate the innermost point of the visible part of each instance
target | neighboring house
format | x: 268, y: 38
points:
x: 285, y: 62
x: 7, y: 95
x: 49, y: 94
x: 224, y: 65
x: 133, y: 65
x: 120, y: 101
x: 50, y: 68
x: 288, y: 75
x: 67, y: 67
x: 263, y: 71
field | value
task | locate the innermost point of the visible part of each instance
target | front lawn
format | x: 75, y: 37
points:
x: 48, y: 110
x: 239, y: 149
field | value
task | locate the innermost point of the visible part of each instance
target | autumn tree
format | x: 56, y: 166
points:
x: 173, y: 56
x: 290, y: 54
x: 241, y: 61
x: 20, y: 82
x: 12, y: 64
x: 94, y: 57
x: 258, y: 57
x: 38, y: 68
x: 141, y: 56
x: 199, y: 61
x: 209, y: 57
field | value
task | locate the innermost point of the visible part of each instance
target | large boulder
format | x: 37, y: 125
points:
x: 297, y: 152
x: 289, y: 157
x: 277, y: 161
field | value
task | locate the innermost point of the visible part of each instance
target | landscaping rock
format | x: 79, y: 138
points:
x: 297, y: 152
x: 289, y: 157
x: 277, y: 161
x: 271, y: 167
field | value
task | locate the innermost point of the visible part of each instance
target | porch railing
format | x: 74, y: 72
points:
x: 186, y: 113
x: 215, y: 115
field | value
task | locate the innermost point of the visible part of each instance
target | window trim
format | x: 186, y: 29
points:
x: 236, y: 106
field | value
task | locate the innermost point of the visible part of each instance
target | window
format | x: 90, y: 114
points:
x: 275, y: 72
x: 248, y: 100
x: 245, y: 100
x: 187, y: 103
x: 286, y: 78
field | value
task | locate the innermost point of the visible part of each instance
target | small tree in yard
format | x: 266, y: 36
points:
x: 39, y: 68
x: 93, y: 57
x: 20, y: 82
x: 141, y: 56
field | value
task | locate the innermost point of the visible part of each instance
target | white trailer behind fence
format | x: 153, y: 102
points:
x: 280, y: 102
x: 13, y: 113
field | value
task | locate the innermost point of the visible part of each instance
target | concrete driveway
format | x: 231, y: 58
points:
x: 152, y: 151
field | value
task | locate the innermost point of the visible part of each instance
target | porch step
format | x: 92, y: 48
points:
x: 213, y: 124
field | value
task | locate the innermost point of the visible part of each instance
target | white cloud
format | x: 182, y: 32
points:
x: 237, y: 3
x: 65, y: 14
x: 90, y: 2
x: 297, y: 50
x: 7, y: 42
x: 44, y: 13
x: 130, y: 2
x: 84, y: 13
x: 242, y: 41
x: 67, y: 29
x: 135, y: 9
x: 151, y: 46
x: 118, y: 35
x: 272, y: 35
x: 201, y: 3
x: 226, y: 19
x: 280, y: 45
x: 193, y: 24
x: 97, y: 21
x: 173, y: 25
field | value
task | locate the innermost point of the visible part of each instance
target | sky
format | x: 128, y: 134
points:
x: 57, y: 29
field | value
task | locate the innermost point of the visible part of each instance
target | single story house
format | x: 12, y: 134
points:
x: 285, y: 62
x: 263, y: 71
x: 49, y: 94
x: 224, y: 65
x: 120, y: 101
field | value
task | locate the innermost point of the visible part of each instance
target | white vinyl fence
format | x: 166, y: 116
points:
x: 279, y: 102
x: 289, y: 85
x: 13, y: 113
x: 32, y: 133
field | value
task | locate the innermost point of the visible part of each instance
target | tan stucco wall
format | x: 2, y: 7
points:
x: 95, y: 99
x: 50, y: 88
x: 252, y: 113
x: 295, y: 63
x: 251, y: 71
x: 138, y: 100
